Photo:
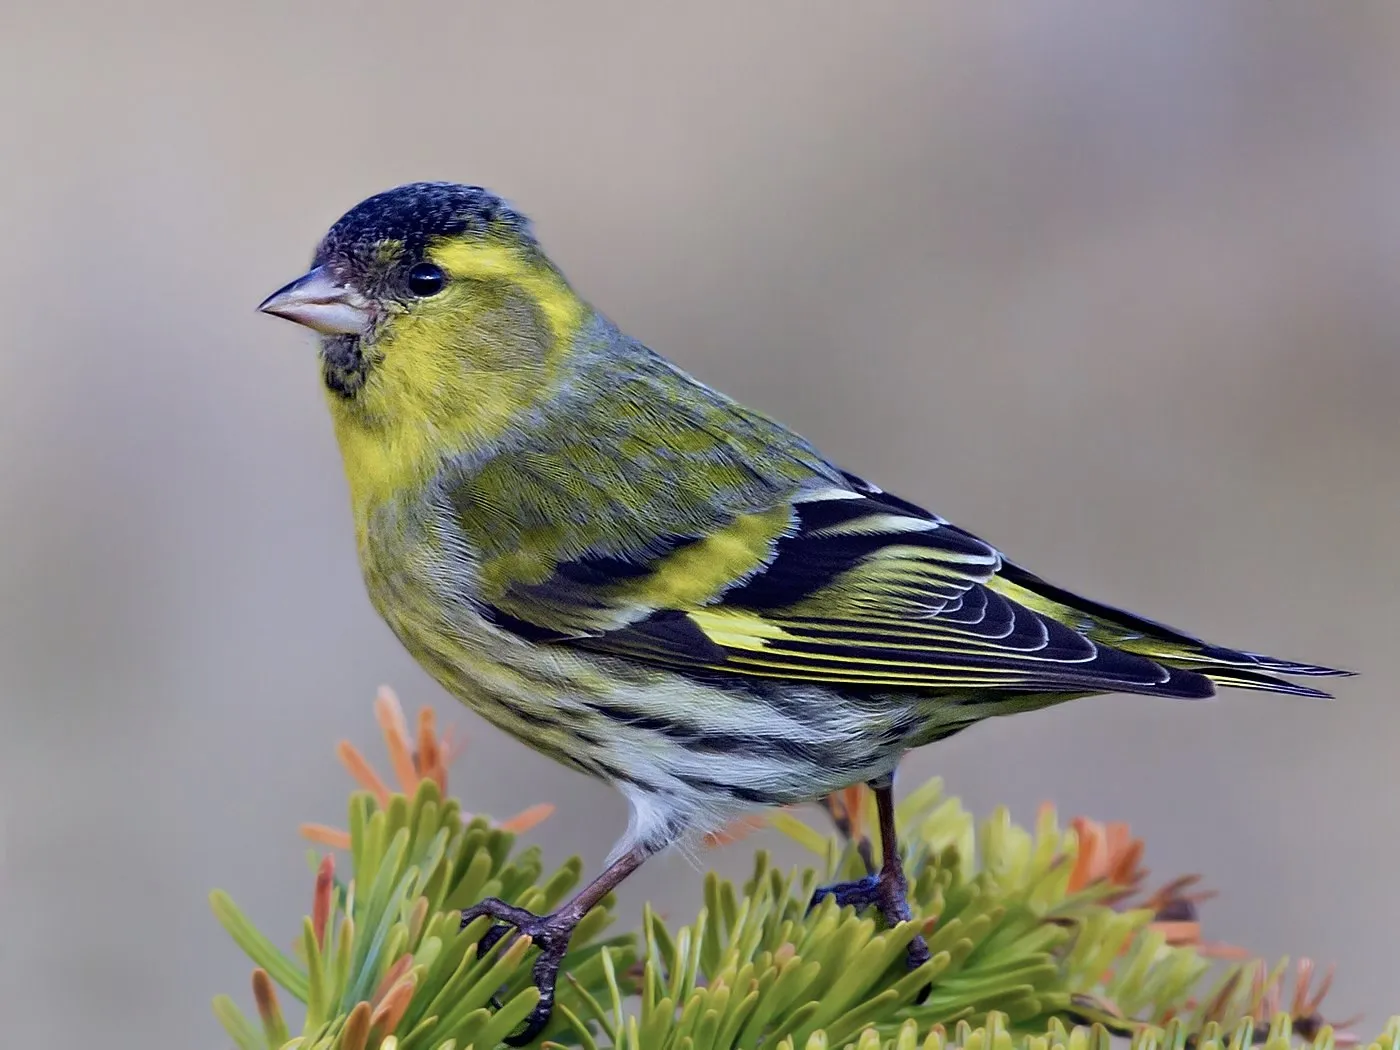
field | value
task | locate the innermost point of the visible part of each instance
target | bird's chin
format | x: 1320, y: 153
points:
x: 344, y: 364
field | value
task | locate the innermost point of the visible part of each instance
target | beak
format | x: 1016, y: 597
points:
x: 318, y: 301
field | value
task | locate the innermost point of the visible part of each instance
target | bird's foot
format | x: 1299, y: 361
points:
x: 889, y: 894
x: 549, y: 933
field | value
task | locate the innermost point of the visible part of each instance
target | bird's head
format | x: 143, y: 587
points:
x: 435, y: 306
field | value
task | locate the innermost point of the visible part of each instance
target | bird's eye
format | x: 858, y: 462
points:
x: 425, y: 279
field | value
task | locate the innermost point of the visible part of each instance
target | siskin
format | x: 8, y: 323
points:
x: 646, y: 581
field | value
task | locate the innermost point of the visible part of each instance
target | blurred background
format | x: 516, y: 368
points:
x: 1113, y: 285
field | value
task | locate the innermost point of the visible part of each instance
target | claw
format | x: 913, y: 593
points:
x: 549, y: 933
x: 886, y: 893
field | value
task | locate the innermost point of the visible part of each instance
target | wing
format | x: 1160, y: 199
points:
x: 851, y: 587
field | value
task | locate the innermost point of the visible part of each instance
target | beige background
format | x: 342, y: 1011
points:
x: 1115, y: 288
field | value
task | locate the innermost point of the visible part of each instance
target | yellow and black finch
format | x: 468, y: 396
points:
x: 647, y: 581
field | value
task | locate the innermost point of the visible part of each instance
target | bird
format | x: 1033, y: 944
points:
x: 643, y: 579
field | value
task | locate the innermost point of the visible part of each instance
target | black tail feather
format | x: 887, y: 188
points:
x: 1223, y: 666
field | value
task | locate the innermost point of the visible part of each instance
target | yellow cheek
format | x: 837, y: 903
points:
x: 450, y: 376
x: 485, y: 261
x: 411, y: 415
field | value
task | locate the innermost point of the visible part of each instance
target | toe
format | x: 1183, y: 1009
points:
x: 552, y: 947
x: 918, y: 952
x: 495, y: 908
x: 859, y: 893
x: 490, y: 938
x: 534, y: 1025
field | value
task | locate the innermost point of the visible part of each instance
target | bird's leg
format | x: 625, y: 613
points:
x: 550, y: 933
x: 888, y: 889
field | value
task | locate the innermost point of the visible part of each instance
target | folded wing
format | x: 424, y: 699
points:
x: 854, y: 588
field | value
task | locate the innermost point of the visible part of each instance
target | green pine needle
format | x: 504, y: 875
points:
x: 1019, y: 960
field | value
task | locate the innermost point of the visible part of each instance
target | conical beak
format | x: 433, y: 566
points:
x: 318, y: 301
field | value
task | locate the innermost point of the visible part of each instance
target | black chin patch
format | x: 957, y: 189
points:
x: 344, y: 365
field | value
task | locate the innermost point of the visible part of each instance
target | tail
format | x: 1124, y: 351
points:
x: 1166, y: 645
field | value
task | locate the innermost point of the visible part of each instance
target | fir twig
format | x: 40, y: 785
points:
x: 1041, y: 940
